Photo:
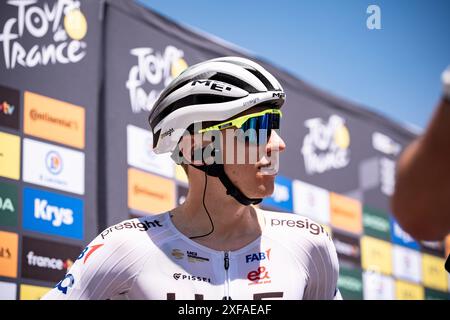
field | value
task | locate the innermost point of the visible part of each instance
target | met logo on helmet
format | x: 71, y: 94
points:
x: 279, y: 95
x: 213, y: 85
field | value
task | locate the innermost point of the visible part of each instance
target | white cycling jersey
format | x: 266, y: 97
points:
x: 148, y: 258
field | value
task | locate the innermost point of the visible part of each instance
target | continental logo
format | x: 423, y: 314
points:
x: 54, y: 120
x: 149, y: 193
x: 306, y: 224
x: 346, y: 213
x: 35, y: 115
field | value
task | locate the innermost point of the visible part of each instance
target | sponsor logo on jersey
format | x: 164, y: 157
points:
x: 143, y: 225
x: 181, y: 276
x: 66, y: 283
x: 326, y: 146
x: 192, y: 256
x: 259, y: 256
x: 88, y: 251
x: 178, y: 254
x: 312, y: 227
x: 259, y: 276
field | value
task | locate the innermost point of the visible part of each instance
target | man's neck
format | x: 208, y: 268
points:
x: 235, y: 225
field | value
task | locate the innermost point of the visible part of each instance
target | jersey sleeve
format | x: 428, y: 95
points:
x: 323, y: 271
x: 105, y: 269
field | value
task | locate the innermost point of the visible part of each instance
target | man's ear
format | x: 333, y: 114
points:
x: 190, y: 151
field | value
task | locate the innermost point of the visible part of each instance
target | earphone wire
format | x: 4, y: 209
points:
x: 207, y: 212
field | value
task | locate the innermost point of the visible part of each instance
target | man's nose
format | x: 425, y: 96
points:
x: 275, y: 143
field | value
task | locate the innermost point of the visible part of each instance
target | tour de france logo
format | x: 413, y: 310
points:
x: 62, y: 21
x: 326, y: 145
x: 151, y: 72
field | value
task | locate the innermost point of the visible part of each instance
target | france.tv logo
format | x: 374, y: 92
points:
x: 54, y: 162
x: 51, y: 213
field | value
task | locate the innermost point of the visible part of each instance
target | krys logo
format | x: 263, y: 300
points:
x: 326, y: 146
x: 63, y: 21
x: 52, y: 213
x: 151, y: 69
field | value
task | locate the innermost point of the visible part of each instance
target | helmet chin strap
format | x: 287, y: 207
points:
x: 218, y: 170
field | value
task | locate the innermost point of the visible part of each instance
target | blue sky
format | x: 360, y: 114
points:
x: 394, y: 71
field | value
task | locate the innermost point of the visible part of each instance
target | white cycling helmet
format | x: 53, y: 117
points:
x: 214, y: 90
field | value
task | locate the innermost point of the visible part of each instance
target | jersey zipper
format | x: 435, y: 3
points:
x: 226, y: 264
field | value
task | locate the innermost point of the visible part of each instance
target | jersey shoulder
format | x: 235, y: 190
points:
x: 135, y: 228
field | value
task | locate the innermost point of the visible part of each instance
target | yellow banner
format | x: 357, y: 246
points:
x: 434, y: 273
x: 9, y: 156
x: 376, y: 255
x: 9, y: 243
x: 28, y: 292
x: 150, y: 193
x: 346, y: 213
x: 408, y: 291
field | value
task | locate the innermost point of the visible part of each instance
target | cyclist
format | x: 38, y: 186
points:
x: 421, y: 201
x: 218, y: 244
